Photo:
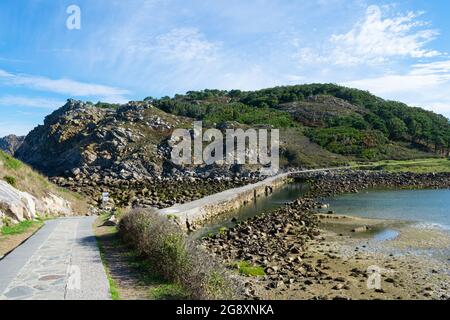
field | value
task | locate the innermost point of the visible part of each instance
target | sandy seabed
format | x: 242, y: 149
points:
x: 391, y: 260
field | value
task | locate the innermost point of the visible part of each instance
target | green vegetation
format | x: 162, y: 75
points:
x: 342, y: 120
x: 417, y: 166
x: 174, y: 257
x: 11, y: 180
x: 168, y: 291
x: 160, y: 289
x: 172, y: 217
x: 21, y: 227
x: 9, y: 162
x: 105, y: 105
x: 248, y: 115
x: 247, y: 269
x: 217, y: 113
x: 111, y: 245
x: 113, y: 288
x: 366, y: 144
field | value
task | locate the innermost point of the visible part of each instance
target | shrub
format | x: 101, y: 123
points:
x: 105, y: 105
x: 347, y: 141
x: 176, y: 257
x: 10, y: 180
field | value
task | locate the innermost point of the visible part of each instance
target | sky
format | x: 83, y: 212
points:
x: 117, y: 51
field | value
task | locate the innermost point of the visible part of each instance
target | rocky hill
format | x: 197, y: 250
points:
x: 123, y: 149
x: 345, y: 121
x: 11, y: 143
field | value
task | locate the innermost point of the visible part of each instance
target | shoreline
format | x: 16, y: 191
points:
x: 409, y: 271
x: 342, y: 260
x: 310, y: 255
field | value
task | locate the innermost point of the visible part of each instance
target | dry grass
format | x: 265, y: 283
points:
x: 28, y: 180
x: 175, y: 257
x: 435, y: 165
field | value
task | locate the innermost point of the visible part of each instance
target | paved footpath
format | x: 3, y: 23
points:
x: 60, y: 262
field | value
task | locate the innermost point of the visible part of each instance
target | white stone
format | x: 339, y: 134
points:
x: 54, y: 205
x: 20, y: 206
x: 16, y: 204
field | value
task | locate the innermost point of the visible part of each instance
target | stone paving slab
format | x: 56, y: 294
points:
x: 86, y: 259
x: 14, y: 262
x: 60, y: 262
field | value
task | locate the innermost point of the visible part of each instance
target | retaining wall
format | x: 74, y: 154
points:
x: 193, y: 214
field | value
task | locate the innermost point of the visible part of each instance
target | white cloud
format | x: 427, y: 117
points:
x: 21, y: 101
x: 13, y: 60
x: 4, y: 74
x: 376, y: 39
x: 388, y: 84
x: 421, y: 76
x: 425, y: 85
x: 437, y: 67
x: 64, y: 86
x: 184, y: 58
x: 185, y: 44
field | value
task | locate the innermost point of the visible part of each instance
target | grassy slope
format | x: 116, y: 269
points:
x: 299, y: 151
x: 25, y: 179
x: 353, y: 123
x: 417, y: 165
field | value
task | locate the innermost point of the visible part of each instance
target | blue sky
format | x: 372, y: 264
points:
x: 127, y: 50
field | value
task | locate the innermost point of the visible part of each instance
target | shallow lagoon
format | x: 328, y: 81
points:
x: 429, y: 208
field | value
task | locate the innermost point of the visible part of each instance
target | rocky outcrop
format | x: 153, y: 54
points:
x: 79, y: 139
x: 16, y: 206
x: 122, y: 150
x: 54, y: 206
x: 329, y: 183
x: 11, y: 143
x: 316, y: 111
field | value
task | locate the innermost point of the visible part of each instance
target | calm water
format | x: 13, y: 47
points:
x: 428, y: 207
x: 279, y: 197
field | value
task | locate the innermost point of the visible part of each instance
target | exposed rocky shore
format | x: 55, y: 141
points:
x: 326, y: 184
x: 158, y: 193
x: 296, y: 254
x: 276, y: 241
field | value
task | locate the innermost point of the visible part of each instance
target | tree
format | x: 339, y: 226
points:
x: 397, y: 128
